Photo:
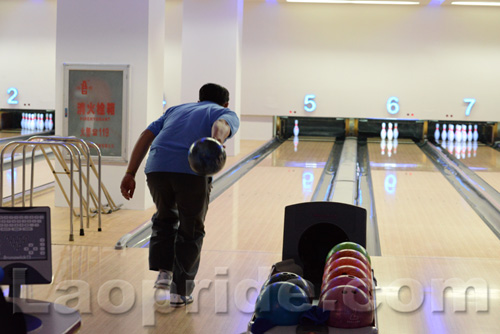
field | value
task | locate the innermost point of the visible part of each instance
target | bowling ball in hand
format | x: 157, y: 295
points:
x: 206, y: 156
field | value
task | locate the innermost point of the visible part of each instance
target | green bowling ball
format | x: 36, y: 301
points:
x: 349, y: 245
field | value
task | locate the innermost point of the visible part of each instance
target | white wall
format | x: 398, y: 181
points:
x: 173, y: 52
x: 27, y: 53
x: 353, y: 58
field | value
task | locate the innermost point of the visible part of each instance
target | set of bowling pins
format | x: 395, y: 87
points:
x: 36, y: 121
x: 391, y: 134
x: 459, y: 140
x: 461, y: 133
x: 296, y: 135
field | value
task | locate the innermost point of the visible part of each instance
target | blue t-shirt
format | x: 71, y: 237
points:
x: 178, y: 128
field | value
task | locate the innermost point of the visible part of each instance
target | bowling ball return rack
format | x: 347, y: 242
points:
x: 311, y: 229
x: 318, y: 329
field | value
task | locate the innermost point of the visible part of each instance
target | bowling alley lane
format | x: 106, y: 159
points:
x: 250, y: 214
x: 419, y: 213
x: 485, y: 162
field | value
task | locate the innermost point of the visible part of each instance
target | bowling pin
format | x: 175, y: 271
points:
x: 51, y: 122
x: 383, y: 132
x: 469, y: 133
x: 458, y: 133
x: 475, y: 135
x: 458, y: 149
x: 451, y: 133
x: 389, y: 148
x: 444, y: 134
x: 437, y: 133
x: 390, y: 134
x: 464, y: 133
x: 395, y: 133
x: 383, y: 145
x: 451, y: 146
x: 296, y: 128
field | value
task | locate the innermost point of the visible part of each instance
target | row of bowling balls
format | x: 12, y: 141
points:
x: 347, y: 287
x: 346, y: 292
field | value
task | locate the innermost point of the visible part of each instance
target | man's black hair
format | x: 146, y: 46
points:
x: 215, y: 93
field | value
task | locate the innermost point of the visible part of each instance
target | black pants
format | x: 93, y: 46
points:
x: 178, y: 225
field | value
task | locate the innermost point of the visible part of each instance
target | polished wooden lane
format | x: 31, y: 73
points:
x: 412, y: 298
x: 250, y: 215
x: 486, y: 164
x: 419, y: 213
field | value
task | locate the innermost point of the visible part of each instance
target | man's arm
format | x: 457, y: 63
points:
x: 221, y: 130
x: 140, y: 150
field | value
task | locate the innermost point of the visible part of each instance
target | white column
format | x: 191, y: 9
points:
x: 116, y: 32
x: 211, y: 51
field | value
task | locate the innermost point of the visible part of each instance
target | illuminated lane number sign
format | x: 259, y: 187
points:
x: 393, y: 105
x: 309, y: 103
x: 471, y: 103
x: 12, y: 98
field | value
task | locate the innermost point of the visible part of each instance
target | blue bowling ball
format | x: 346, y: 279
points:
x: 282, y: 303
x: 292, y: 278
x: 206, y: 156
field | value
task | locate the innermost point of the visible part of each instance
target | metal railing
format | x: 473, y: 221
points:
x: 64, y: 148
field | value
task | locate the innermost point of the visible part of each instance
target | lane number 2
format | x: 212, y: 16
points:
x: 12, y: 98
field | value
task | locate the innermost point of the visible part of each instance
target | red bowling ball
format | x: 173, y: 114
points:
x: 349, y: 307
x: 347, y: 261
x: 347, y: 270
x: 348, y: 253
x: 347, y: 280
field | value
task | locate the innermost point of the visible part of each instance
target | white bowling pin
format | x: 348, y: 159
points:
x: 383, y: 132
x: 395, y: 133
x: 295, y: 143
x: 383, y: 145
x: 437, y: 133
x: 50, y: 123
x: 458, y: 133
x: 390, y: 134
x: 475, y: 135
x: 469, y: 133
x: 296, y: 128
x: 458, y: 149
x: 451, y: 146
x: 451, y: 133
x: 444, y: 134
x: 464, y: 133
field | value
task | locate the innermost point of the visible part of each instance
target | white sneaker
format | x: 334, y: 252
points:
x: 164, y: 280
x: 179, y: 301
